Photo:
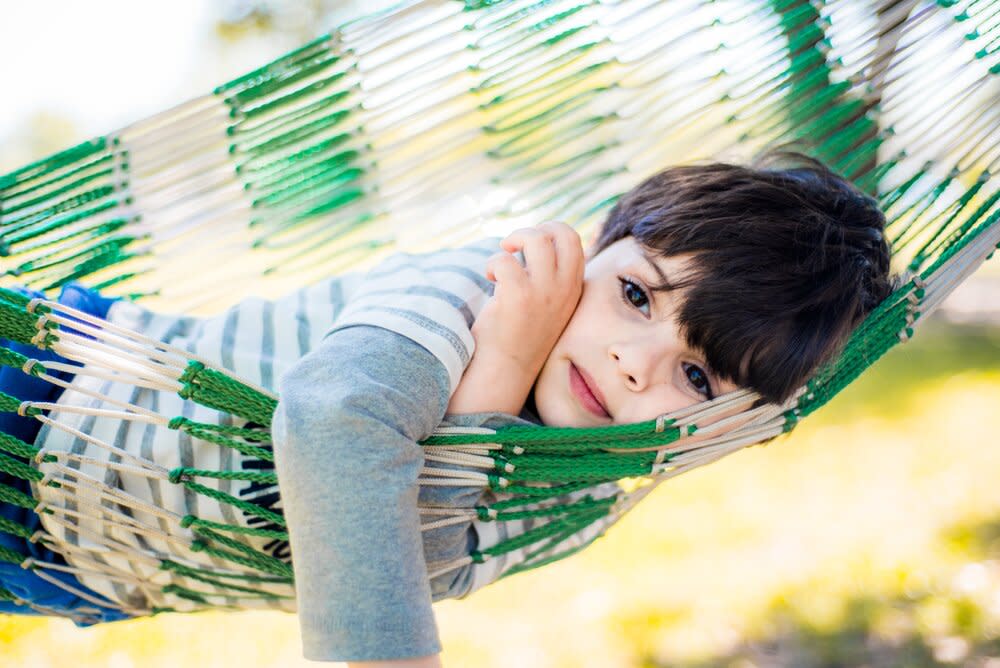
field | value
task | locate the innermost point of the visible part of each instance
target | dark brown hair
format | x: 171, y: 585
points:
x: 789, y: 258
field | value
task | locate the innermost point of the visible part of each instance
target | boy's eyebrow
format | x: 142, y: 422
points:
x: 665, y: 285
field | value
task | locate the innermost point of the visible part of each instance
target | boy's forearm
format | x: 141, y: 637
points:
x: 493, y: 384
x: 347, y: 416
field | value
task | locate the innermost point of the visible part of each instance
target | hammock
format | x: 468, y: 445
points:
x: 474, y: 118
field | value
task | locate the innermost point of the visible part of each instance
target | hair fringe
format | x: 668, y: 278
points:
x: 791, y: 257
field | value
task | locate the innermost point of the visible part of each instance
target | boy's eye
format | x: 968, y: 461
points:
x: 633, y: 294
x: 698, y: 379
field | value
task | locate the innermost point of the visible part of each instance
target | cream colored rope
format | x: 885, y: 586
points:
x: 116, y: 377
x: 126, y: 338
x: 124, y: 454
x: 70, y: 588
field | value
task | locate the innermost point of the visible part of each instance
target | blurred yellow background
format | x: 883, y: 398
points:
x: 870, y: 535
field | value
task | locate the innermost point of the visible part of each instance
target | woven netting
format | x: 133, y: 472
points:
x: 436, y: 123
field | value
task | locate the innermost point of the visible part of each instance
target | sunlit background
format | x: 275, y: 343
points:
x: 869, y: 537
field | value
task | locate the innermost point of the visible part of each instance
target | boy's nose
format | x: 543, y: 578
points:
x: 629, y: 378
x: 645, y: 361
x: 636, y: 366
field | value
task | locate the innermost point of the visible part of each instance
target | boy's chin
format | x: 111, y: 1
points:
x: 554, y: 404
x: 561, y: 415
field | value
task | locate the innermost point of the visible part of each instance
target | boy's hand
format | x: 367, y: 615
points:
x: 518, y: 327
x: 531, y: 304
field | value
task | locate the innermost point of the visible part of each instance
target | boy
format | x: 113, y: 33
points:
x: 703, y: 279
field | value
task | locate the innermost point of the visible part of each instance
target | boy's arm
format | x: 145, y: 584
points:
x: 346, y: 453
x: 492, y: 384
x: 521, y: 323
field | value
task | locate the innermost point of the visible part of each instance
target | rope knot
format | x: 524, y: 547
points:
x: 187, y: 520
x: 40, y: 340
x: 662, y: 422
x: 496, y: 482
x: 791, y: 419
x: 194, y: 367
x: 177, y: 422
x: 502, y: 464
x: 187, y: 379
x: 177, y: 476
x: 686, y: 430
x: 486, y: 514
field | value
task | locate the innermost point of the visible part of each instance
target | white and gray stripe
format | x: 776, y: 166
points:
x: 432, y: 299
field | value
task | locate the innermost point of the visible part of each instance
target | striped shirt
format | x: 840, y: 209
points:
x: 430, y: 298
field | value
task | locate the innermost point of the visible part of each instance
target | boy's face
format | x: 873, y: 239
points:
x: 622, y: 358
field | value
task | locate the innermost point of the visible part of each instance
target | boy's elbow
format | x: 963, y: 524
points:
x: 333, y: 410
x: 308, y: 401
x: 340, y: 388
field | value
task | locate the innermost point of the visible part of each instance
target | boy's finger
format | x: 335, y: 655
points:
x: 504, y: 268
x: 538, y: 249
x: 519, y: 238
x: 568, y: 246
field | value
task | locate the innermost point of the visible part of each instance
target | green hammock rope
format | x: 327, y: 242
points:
x: 311, y: 164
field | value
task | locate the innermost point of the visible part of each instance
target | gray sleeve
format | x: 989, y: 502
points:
x: 345, y: 445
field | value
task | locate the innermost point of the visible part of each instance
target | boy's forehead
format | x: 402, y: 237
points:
x: 627, y: 252
x: 623, y: 251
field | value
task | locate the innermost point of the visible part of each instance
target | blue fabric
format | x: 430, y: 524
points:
x: 22, y: 582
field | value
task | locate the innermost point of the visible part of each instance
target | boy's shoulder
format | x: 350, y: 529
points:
x: 464, y: 258
x: 483, y: 246
x: 430, y: 298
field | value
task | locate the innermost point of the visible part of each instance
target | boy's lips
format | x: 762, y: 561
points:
x: 586, y: 392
